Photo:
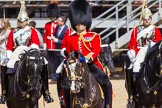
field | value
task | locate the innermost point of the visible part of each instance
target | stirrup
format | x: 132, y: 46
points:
x: 108, y: 106
x: 48, y: 99
x: 130, y: 103
x: 2, y: 99
x: 62, y: 102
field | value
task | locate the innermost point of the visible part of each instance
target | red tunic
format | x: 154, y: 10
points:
x: 49, y: 29
x: 65, y: 38
x: 89, y: 44
x: 133, y: 44
x: 33, y: 39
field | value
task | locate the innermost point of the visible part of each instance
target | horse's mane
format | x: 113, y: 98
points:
x: 79, y: 54
x: 152, y: 50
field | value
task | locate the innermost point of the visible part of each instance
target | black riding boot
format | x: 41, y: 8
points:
x: 45, y: 87
x: 60, y: 90
x: 129, y: 86
x: 108, y: 94
x: 3, y: 84
x: 107, y: 88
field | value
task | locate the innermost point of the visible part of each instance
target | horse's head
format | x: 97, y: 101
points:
x: 31, y: 63
x: 76, y: 71
x: 81, y: 82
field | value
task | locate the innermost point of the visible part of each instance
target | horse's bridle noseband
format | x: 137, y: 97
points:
x: 71, y: 63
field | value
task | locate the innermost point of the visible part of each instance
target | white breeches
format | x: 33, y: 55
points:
x: 139, y: 59
x: 15, y: 55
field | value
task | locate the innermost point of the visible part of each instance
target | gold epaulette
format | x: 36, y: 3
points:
x: 83, y: 39
x: 87, y: 41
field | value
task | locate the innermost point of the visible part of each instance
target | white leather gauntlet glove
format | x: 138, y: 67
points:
x: 131, y: 55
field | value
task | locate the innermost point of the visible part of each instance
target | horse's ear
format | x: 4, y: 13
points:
x: 66, y: 53
x: 44, y: 53
x: 76, y: 54
x: 106, y: 41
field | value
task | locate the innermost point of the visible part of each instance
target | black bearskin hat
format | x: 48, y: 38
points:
x: 80, y: 12
x: 53, y: 10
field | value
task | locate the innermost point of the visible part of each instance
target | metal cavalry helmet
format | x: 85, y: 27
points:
x: 146, y: 13
x: 22, y: 16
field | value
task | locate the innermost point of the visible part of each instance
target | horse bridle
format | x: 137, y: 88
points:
x: 71, y: 63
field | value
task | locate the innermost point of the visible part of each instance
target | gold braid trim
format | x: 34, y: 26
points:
x: 88, y: 56
x: 84, y: 40
x: 101, y: 91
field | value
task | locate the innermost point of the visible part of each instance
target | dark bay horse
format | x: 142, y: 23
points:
x: 105, y: 57
x: 148, y: 86
x: 24, y: 86
x: 85, y: 92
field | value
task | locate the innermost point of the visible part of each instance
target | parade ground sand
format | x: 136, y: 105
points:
x: 119, y: 100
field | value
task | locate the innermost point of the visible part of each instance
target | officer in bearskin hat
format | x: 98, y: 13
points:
x: 88, y: 43
x: 53, y: 13
x: 23, y: 35
x: 143, y: 37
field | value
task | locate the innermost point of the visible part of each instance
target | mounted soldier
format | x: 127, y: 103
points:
x: 20, y: 40
x: 88, y: 43
x: 143, y: 37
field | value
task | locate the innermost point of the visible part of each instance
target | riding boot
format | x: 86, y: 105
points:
x: 129, y: 86
x: 3, y: 84
x: 108, y: 95
x: 60, y: 90
x: 45, y: 87
x: 105, y: 83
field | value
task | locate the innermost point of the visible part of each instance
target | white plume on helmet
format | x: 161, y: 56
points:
x: 146, y: 14
x: 22, y: 16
